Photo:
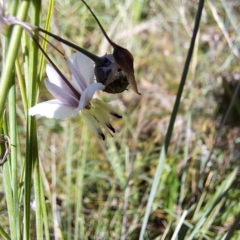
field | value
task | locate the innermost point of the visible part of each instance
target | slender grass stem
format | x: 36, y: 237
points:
x: 10, y: 168
x: 184, y: 76
x: 40, y: 76
x: 22, y: 85
x: 80, y: 226
x: 42, y: 59
x: 4, y: 234
x: 36, y: 7
x: 5, y: 82
x: 32, y: 154
x: 7, y: 182
x: 172, y: 119
x: 233, y: 227
x: 14, y: 165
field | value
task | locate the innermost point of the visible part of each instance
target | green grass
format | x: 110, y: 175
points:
x: 116, y: 188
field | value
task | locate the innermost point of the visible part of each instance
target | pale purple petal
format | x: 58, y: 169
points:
x: 52, y: 109
x: 76, y: 85
x: 84, y: 66
x: 77, y: 75
x: 87, y: 95
x: 61, y: 94
x: 56, y: 79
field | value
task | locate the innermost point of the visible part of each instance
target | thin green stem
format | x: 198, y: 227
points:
x: 14, y: 165
x: 4, y: 234
x: 5, y: 82
x: 36, y: 10
x: 184, y: 76
x: 8, y: 188
x: 233, y: 227
x: 21, y: 85
x: 45, y: 44
x: 80, y: 186
x: 44, y: 212
x: 100, y: 25
x: 69, y: 151
x: 40, y: 76
x: 172, y: 121
x: 37, y: 192
x: 31, y: 142
x: 10, y: 175
x: 96, y: 59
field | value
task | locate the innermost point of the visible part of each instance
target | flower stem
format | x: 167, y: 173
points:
x: 6, y: 82
x: 95, y: 58
x: 31, y: 141
x: 164, y: 150
x: 14, y: 165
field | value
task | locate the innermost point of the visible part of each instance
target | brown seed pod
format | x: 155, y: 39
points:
x: 123, y: 62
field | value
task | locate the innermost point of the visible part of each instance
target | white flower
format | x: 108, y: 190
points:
x: 76, y: 96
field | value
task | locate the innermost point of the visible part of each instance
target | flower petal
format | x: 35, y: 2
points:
x: 80, y: 61
x: 61, y: 94
x: 52, y: 109
x: 87, y: 95
x: 76, y: 85
x: 76, y: 75
x: 56, y: 79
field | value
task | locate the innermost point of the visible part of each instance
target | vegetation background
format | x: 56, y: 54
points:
x: 81, y: 187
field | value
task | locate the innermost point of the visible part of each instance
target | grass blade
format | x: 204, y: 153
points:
x: 5, y: 82
x: 172, y: 119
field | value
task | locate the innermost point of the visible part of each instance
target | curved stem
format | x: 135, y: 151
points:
x: 99, y: 24
x: 96, y: 59
x: 164, y: 150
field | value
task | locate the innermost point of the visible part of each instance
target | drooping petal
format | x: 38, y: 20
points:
x: 87, y: 95
x: 52, y: 109
x: 61, y: 94
x: 77, y: 76
x: 56, y: 79
x: 80, y: 61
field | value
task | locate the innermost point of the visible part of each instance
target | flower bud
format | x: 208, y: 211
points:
x: 111, y: 75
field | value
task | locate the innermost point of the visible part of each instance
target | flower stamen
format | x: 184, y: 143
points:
x: 100, y: 133
x: 110, y: 127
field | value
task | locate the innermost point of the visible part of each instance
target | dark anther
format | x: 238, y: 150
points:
x: 110, y: 127
x: 100, y: 133
x: 115, y: 115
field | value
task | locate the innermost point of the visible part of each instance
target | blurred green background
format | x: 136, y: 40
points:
x: 99, y: 189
